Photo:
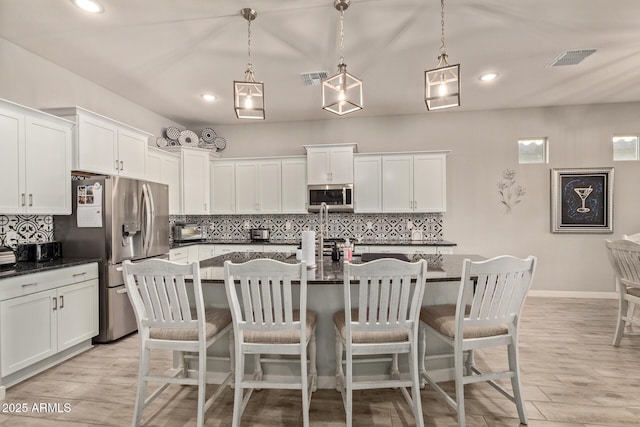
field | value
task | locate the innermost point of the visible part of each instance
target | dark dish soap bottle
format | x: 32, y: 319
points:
x: 335, y: 253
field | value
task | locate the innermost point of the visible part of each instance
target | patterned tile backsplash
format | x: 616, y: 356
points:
x: 39, y: 228
x: 28, y: 228
x: 290, y: 227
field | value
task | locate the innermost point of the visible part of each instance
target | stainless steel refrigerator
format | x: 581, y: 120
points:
x: 115, y: 219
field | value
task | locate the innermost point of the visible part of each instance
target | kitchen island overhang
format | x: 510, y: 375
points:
x: 325, y: 295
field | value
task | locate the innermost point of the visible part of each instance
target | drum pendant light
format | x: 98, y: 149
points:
x: 342, y: 92
x: 248, y: 95
x: 442, y: 84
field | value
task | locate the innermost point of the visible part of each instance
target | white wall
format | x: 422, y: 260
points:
x: 30, y: 80
x: 482, y: 145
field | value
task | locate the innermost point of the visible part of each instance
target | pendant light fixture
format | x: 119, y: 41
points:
x: 248, y: 95
x: 442, y: 84
x: 342, y: 92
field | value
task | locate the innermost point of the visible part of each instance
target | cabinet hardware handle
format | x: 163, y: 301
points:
x: 29, y: 284
x: 30, y: 199
x: 121, y: 291
x: 61, y: 301
x: 55, y: 303
x: 23, y: 199
x: 79, y: 274
x: 117, y: 165
x: 121, y: 165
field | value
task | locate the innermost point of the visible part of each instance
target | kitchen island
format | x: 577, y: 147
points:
x: 325, y: 296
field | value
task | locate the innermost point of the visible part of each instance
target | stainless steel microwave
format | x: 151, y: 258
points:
x: 339, y: 198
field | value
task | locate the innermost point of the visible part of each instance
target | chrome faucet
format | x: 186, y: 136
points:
x: 323, y: 222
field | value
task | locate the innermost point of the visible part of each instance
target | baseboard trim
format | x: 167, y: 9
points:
x: 573, y: 294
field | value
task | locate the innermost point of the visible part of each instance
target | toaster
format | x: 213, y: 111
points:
x: 38, y: 252
x: 260, y: 234
x: 187, y: 232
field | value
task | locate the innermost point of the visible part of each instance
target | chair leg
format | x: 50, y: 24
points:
x: 348, y: 401
x: 312, y: 362
x: 232, y: 358
x: 514, y: 366
x: 422, y: 349
x: 630, y: 313
x: 237, y: 392
x: 202, y: 385
x: 622, y: 310
x: 459, y: 375
x: 395, y: 371
x: 257, y: 368
x: 469, y: 362
x: 143, y: 371
x: 415, y: 388
x: 339, y: 371
x: 305, y: 387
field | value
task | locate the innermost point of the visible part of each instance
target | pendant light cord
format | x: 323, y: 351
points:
x: 249, y: 66
x: 442, y: 48
x: 342, y: 36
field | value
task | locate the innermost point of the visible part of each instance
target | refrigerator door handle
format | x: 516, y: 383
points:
x: 146, y: 236
x: 152, y: 218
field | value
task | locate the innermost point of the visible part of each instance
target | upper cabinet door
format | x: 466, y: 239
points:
x: 367, y: 184
x: 294, y: 186
x: 317, y: 167
x: 330, y: 164
x: 430, y: 188
x: 223, y: 188
x: 195, y: 182
x: 12, y: 192
x: 246, y: 187
x: 397, y: 184
x: 269, y: 186
x: 97, y: 146
x: 341, y: 165
x: 132, y: 153
x: 48, y: 167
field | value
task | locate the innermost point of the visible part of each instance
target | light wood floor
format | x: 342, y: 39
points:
x: 572, y: 377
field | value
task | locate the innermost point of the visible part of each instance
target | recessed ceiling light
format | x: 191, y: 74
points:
x: 208, y: 97
x: 488, y: 77
x: 91, y: 6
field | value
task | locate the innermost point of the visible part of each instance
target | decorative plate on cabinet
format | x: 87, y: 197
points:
x: 208, y: 135
x: 161, y: 142
x: 172, y: 133
x: 220, y: 143
x: 188, y: 138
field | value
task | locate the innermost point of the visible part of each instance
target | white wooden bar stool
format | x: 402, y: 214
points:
x: 624, y: 256
x: 168, y: 320
x: 499, y: 287
x: 385, y: 322
x: 266, y: 321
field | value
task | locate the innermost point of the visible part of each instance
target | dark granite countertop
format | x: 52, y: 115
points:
x: 366, y: 242
x: 21, y: 268
x: 440, y: 268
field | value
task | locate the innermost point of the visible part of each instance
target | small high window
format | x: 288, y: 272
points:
x: 625, y: 147
x: 533, y: 150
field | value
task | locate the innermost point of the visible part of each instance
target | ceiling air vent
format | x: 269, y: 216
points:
x: 314, y: 78
x: 570, y: 57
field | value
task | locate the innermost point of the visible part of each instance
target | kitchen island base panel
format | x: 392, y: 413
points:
x: 326, y: 300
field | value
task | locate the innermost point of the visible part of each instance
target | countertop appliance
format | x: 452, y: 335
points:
x: 7, y: 257
x: 260, y: 234
x: 115, y: 219
x: 339, y: 198
x: 38, y: 252
x: 187, y: 232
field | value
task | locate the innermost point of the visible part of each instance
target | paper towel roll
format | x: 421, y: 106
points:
x: 309, y: 248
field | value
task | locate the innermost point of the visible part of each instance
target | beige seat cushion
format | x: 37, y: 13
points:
x: 216, y: 319
x: 286, y: 336
x: 372, y: 336
x: 442, y: 319
x: 634, y: 291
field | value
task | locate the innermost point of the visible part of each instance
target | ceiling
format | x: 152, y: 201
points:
x: 162, y: 54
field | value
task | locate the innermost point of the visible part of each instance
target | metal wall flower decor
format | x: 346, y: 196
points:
x: 510, y: 194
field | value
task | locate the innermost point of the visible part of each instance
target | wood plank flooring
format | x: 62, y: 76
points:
x: 572, y: 377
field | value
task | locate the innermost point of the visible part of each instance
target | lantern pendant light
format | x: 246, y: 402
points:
x: 248, y: 95
x: 342, y: 92
x: 442, y: 84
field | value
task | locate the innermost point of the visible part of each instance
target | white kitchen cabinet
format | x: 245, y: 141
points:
x: 185, y: 254
x: 294, y: 185
x: 330, y: 164
x: 206, y: 252
x: 164, y: 167
x: 367, y: 183
x: 45, y: 317
x: 106, y: 146
x: 223, y: 187
x: 36, y: 161
x: 225, y: 249
x: 258, y: 187
x: 196, y: 181
x: 414, y: 183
